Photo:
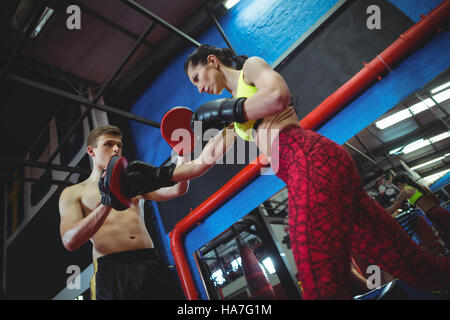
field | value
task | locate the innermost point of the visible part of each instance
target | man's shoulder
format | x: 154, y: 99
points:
x: 75, y: 190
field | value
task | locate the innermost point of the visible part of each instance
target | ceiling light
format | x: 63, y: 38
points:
x: 427, y: 163
x: 395, y: 150
x: 413, y: 110
x: 442, y: 96
x: 236, y: 263
x: 440, y: 137
x: 42, y: 21
x: 230, y: 3
x: 422, y: 106
x: 393, y: 119
x: 218, y: 277
x: 441, y: 87
x: 418, y: 144
x: 267, y: 262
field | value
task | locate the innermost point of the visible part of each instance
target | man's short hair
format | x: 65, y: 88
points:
x: 97, y: 132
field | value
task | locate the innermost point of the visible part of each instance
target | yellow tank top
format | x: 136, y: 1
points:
x: 416, y: 196
x: 244, y: 90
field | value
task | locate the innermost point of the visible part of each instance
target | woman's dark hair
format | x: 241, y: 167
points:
x: 405, y: 178
x: 225, y: 56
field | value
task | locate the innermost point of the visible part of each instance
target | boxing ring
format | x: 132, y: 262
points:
x: 391, y: 57
x: 348, y: 106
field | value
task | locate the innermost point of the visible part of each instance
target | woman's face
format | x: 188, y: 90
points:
x: 207, y: 77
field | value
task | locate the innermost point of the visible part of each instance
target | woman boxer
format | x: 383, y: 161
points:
x: 330, y: 214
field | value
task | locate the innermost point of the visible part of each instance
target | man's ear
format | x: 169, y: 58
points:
x: 90, y: 151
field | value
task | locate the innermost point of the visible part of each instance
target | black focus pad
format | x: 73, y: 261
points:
x: 143, y: 177
x: 113, y: 184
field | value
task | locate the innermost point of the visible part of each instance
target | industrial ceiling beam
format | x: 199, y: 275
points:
x: 136, y: 6
x: 43, y: 165
x: 108, y: 22
x: 25, y: 35
x: 62, y: 183
x: 82, y: 100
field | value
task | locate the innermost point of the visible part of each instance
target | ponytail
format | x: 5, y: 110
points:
x: 225, y: 55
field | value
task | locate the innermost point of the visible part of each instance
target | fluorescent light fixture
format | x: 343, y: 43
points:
x: 267, y: 262
x: 440, y: 137
x: 393, y: 119
x: 236, y: 263
x: 441, y: 87
x: 421, y: 106
x: 218, y: 276
x: 42, y: 21
x: 442, y: 96
x: 428, y: 162
x: 418, y: 144
x: 395, y: 150
x: 413, y: 110
x: 230, y: 3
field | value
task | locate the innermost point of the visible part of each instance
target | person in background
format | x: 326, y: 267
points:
x: 423, y: 198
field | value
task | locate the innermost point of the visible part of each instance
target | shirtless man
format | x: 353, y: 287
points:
x: 125, y: 262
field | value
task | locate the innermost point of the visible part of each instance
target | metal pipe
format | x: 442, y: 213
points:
x: 37, y: 164
x: 219, y: 28
x: 100, y: 93
x: 360, y: 153
x: 125, y: 61
x: 20, y: 45
x: 136, y: 6
x: 82, y: 100
x: 399, y: 50
x: 62, y: 183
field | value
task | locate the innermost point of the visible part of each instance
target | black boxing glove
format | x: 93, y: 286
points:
x: 143, y: 178
x: 219, y: 113
x: 112, y: 183
x: 107, y: 197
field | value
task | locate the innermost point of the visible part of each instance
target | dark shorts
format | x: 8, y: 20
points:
x: 136, y: 275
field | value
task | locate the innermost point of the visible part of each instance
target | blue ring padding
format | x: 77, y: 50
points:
x: 413, y: 9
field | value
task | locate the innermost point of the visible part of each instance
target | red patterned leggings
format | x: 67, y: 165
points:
x: 330, y: 214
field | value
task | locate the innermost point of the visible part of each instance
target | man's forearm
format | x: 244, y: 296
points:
x: 85, y: 229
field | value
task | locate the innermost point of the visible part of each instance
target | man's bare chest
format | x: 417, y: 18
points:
x: 90, y: 198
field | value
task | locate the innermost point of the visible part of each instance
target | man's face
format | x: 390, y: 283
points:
x: 107, y: 146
